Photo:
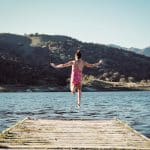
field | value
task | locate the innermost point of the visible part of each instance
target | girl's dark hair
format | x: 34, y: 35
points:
x: 78, y: 54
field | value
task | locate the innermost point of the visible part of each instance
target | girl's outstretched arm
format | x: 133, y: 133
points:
x: 70, y: 63
x: 93, y: 65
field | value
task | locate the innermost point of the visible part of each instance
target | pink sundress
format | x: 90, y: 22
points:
x: 76, y: 76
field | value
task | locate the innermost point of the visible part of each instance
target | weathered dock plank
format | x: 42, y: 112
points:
x: 73, y: 134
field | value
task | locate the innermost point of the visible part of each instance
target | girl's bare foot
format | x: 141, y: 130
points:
x: 78, y: 105
x: 73, y: 92
x: 72, y: 89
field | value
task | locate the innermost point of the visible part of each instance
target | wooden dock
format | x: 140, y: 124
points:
x: 72, y: 134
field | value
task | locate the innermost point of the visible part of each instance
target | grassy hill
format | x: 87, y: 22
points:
x: 24, y: 59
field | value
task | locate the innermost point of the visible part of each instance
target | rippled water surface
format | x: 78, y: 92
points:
x: 132, y: 107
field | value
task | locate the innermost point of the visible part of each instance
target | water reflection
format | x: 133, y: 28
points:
x: 132, y: 107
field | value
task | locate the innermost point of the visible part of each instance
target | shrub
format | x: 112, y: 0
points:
x: 87, y: 79
x: 131, y: 79
x: 143, y: 81
x: 116, y: 77
x: 122, y: 80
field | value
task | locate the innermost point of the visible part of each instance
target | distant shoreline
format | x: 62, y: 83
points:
x: 108, y: 86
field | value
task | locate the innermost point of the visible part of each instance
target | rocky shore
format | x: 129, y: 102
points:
x: 95, y: 86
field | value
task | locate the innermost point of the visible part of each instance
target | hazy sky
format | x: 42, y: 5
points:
x: 122, y: 22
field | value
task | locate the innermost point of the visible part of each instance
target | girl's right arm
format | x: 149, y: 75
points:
x: 70, y: 63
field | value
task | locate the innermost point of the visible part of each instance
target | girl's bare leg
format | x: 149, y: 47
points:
x: 72, y: 88
x: 79, y: 96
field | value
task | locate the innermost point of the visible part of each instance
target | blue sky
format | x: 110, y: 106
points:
x: 122, y: 22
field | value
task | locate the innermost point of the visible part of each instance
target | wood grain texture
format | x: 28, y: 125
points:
x: 72, y: 134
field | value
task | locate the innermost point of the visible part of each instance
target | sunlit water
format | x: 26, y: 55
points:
x: 132, y: 107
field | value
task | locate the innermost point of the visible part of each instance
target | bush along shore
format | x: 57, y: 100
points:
x: 88, y: 86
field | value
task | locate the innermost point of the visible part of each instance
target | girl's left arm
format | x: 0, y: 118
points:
x: 93, y: 65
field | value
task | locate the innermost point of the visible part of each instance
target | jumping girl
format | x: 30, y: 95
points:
x: 76, y: 74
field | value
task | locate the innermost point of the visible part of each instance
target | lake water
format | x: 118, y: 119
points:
x: 132, y: 107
